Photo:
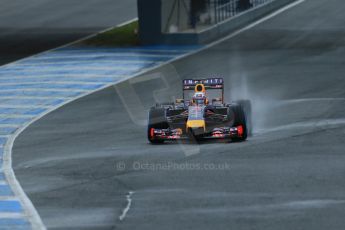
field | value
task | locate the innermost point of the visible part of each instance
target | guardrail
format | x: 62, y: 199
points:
x: 182, y: 16
x: 225, y: 9
x: 198, y: 21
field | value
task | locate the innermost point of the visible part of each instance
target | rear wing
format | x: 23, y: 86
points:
x: 209, y: 83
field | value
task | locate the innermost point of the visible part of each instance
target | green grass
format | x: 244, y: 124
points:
x: 126, y: 35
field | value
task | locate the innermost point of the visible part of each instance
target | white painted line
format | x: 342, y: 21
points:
x: 9, y: 125
x: 68, y: 79
x: 8, y: 198
x: 33, y: 97
x: 119, y: 25
x: 307, y: 100
x: 177, y: 51
x: 53, y: 83
x: 58, y: 77
x: 306, y: 124
x: 14, y: 115
x: 86, y: 61
x: 85, y: 69
x: 10, y: 215
x: 103, y: 55
x: 45, y: 90
x: 128, y: 206
x: 10, y: 106
x: 130, y: 50
x: 311, y: 204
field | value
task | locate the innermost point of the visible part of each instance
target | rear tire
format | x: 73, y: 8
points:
x: 156, y: 120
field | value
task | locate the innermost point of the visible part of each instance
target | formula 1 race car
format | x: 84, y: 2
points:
x: 201, y: 116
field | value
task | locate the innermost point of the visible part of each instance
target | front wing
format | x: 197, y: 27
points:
x: 216, y: 133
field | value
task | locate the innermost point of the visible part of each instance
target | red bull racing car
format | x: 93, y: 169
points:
x: 200, y: 114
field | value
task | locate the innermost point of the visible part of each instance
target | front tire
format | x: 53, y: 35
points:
x: 247, y: 109
x: 156, y: 120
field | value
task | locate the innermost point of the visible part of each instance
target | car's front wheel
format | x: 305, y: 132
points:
x: 156, y: 120
x: 239, y: 121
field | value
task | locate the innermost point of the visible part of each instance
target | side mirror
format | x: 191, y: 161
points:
x: 217, y: 99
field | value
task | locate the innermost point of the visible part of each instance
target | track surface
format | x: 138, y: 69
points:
x: 289, y: 175
x: 28, y: 28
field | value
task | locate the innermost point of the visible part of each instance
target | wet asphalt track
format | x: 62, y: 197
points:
x: 289, y: 175
x: 27, y: 28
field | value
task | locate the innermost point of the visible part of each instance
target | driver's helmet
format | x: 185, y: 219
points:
x: 200, y: 98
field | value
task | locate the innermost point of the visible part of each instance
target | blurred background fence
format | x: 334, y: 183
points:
x: 183, y: 16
